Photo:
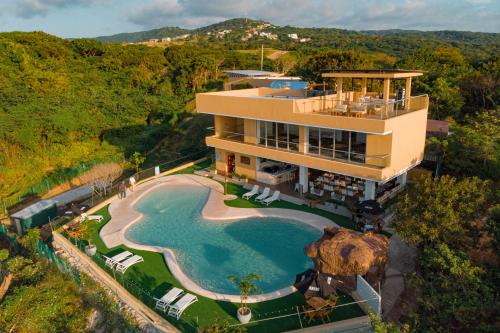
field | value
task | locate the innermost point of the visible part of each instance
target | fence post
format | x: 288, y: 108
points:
x: 298, y: 315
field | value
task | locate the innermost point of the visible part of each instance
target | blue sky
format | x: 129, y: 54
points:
x: 88, y: 18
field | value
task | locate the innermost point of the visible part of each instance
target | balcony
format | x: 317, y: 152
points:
x: 291, y: 106
x: 368, y: 107
x: 340, y: 161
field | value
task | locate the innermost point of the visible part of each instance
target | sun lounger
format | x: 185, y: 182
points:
x: 124, y: 265
x: 114, y: 260
x: 84, y: 217
x: 250, y: 194
x: 263, y: 195
x: 167, y: 299
x: 273, y: 198
x: 178, y: 308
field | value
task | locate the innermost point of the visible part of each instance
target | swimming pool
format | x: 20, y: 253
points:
x: 209, y: 251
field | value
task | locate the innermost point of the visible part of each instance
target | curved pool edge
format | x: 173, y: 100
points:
x: 124, y: 215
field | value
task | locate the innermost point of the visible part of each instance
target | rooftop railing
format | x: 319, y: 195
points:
x: 370, y: 108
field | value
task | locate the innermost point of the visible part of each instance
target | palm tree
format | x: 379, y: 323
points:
x: 246, y: 287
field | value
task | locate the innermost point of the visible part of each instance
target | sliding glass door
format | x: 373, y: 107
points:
x: 278, y: 135
x: 337, y: 144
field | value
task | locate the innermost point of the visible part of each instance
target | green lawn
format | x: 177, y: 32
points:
x: 243, y: 203
x: 153, y: 277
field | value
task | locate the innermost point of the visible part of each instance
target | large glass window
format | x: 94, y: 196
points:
x: 262, y: 133
x: 313, y: 147
x: 358, y: 147
x: 282, y: 135
x: 326, y: 142
x: 271, y: 134
x: 293, y: 137
x: 342, y: 144
x: 278, y: 135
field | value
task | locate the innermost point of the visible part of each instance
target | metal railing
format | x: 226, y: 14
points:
x: 378, y: 161
x: 346, y: 156
x: 372, y: 109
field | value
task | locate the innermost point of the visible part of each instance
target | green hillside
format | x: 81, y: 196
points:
x: 66, y: 103
x: 396, y: 41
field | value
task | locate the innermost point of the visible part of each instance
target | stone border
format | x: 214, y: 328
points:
x: 123, y: 215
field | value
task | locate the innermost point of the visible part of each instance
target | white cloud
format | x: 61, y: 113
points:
x: 31, y: 8
x: 476, y: 15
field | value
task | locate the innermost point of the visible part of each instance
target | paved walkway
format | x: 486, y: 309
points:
x: 401, y: 261
x: 124, y: 215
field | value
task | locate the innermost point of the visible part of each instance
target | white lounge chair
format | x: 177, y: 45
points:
x: 124, y: 265
x: 178, y: 308
x: 97, y: 218
x: 271, y: 199
x: 263, y: 195
x: 114, y: 260
x: 250, y: 194
x: 167, y: 299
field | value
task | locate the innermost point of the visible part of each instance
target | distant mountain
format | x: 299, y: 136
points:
x: 443, y: 35
x: 322, y: 37
x: 133, y: 37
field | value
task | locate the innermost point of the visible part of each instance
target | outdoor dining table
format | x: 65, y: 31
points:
x: 319, y: 307
x: 318, y: 303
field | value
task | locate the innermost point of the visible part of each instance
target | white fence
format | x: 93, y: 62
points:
x: 373, y: 299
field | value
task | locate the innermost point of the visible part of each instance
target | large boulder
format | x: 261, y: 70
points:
x: 346, y: 253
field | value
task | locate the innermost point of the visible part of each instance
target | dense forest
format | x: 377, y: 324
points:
x: 64, y: 103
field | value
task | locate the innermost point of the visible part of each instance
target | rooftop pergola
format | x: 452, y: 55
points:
x: 380, y: 74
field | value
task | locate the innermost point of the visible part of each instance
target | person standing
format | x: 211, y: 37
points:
x: 131, y: 181
x: 122, y: 190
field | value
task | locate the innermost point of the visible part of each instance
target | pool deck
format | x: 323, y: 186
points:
x: 123, y: 215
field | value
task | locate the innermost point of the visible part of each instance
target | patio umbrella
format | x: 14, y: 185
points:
x: 312, y: 283
x: 371, y: 207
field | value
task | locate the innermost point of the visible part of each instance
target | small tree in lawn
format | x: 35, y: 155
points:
x: 246, y: 287
x: 137, y: 159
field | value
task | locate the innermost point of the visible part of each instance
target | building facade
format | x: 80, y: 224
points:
x: 358, y: 140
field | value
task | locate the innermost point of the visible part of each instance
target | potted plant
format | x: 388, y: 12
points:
x: 246, y: 287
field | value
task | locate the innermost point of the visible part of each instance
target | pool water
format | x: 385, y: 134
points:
x: 209, y: 251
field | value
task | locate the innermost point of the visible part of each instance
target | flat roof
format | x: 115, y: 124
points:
x: 437, y: 126
x: 252, y: 72
x: 372, y: 73
x: 36, y: 208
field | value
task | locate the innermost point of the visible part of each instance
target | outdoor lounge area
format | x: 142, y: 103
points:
x: 152, y: 281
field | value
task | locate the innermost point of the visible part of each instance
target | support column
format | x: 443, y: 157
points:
x: 339, y: 88
x: 370, y: 190
x: 304, y: 178
x: 364, y: 82
x: 387, y: 90
x: 385, y: 96
x: 402, y: 178
x: 407, y: 93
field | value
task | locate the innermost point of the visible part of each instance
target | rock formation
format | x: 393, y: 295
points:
x: 346, y: 253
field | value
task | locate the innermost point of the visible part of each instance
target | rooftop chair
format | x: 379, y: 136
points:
x: 124, y: 265
x: 178, y: 308
x: 359, y: 109
x: 114, y: 260
x: 167, y: 299
x: 264, y: 194
x: 84, y: 217
x: 250, y: 194
x: 271, y: 199
x: 340, y: 109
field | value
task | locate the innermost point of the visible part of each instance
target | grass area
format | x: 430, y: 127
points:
x: 243, y: 203
x: 153, y: 276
